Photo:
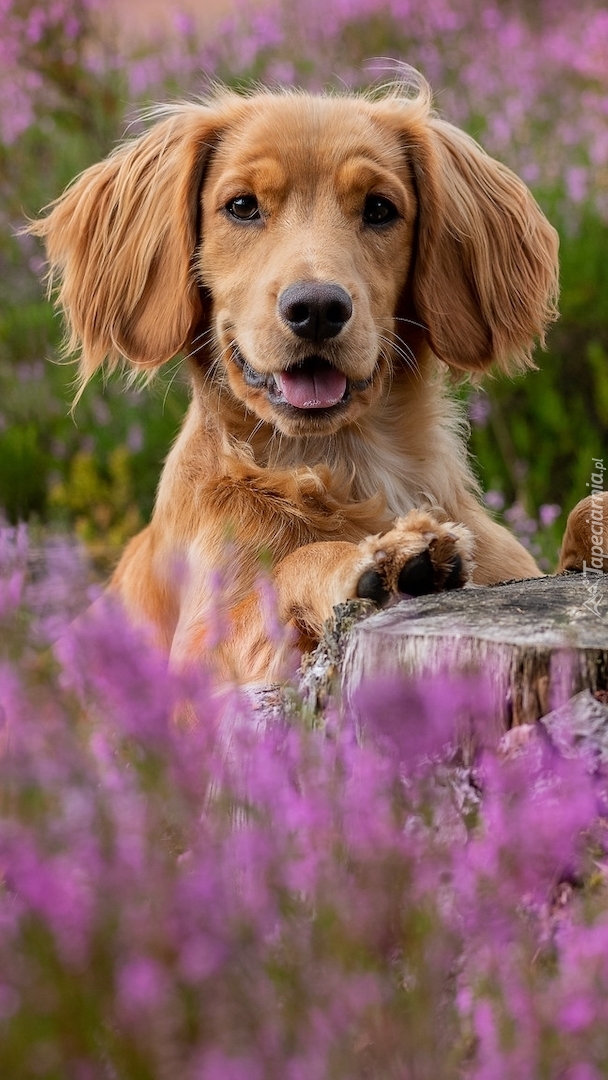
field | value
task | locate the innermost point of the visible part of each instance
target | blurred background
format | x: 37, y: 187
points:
x: 527, y: 78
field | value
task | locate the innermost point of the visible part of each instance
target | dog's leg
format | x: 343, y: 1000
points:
x: 585, y: 544
x: 499, y: 556
x: 418, y: 555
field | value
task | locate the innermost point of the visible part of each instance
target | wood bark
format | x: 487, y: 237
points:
x: 535, y: 643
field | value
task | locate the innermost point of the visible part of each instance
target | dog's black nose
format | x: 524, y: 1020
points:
x: 315, y: 310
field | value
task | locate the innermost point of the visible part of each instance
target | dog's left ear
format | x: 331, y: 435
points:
x: 121, y: 243
x: 485, y: 279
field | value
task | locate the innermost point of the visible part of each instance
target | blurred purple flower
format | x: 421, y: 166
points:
x: 577, y: 183
x: 135, y: 438
x: 30, y: 371
x: 100, y: 410
x: 479, y: 409
x: 420, y: 721
x: 142, y: 985
x: 184, y: 24
x: 243, y: 900
x: 548, y: 513
x: 216, y: 1065
x: 494, y: 499
x: 520, y: 521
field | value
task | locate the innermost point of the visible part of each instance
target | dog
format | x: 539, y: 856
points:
x: 325, y: 263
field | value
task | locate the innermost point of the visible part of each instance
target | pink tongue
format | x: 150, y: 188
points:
x: 317, y: 389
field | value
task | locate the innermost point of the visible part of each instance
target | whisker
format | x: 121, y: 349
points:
x: 399, y: 350
x: 402, y: 349
x: 257, y: 427
x: 389, y: 360
x: 412, y: 322
x: 409, y: 361
x: 173, y: 376
x: 215, y: 366
x: 274, y: 452
x: 204, y: 338
x: 204, y: 333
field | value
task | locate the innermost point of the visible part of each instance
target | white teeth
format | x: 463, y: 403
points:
x: 279, y: 383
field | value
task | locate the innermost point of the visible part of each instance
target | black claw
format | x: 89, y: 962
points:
x: 371, y: 586
x: 417, y: 577
x: 454, y: 578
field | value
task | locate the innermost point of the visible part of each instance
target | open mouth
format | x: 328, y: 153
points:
x: 315, y: 384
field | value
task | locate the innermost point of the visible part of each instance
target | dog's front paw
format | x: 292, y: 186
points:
x: 419, y: 555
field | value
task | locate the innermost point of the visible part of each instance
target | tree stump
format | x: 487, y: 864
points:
x: 536, y: 642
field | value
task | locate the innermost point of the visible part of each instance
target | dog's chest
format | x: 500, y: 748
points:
x: 358, y: 470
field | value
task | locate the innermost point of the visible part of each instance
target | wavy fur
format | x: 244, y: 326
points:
x: 150, y: 261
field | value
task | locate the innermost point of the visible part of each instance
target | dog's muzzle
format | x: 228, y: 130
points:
x: 313, y: 384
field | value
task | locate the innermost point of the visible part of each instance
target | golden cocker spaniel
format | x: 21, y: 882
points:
x: 324, y: 262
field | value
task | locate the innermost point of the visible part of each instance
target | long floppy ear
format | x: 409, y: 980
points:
x: 485, y: 277
x: 486, y: 274
x: 121, y: 241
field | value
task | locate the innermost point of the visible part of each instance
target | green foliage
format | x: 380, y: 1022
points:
x: 544, y: 429
x: 95, y: 471
x: 100, y: 502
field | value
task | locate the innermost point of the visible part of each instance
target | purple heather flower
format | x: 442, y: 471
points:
x: 184, y: 24
x: 135, y: 438
x: 494, y: 499
x: 548, y: 513
x: 479, y: 409
x: 142, y: 985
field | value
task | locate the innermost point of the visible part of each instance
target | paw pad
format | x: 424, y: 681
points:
x: 417, y: 578
x: 455, y: 578
x: 372, y: 586
x: 444, y: 563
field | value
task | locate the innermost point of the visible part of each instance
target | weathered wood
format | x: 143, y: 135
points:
x: 537, y: 642
x: 580, y: 727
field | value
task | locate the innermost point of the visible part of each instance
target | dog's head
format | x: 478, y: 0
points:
x: 302, y: 246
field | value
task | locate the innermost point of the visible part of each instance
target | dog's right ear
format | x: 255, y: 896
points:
x: 485, y: 276
x: 121, y: 241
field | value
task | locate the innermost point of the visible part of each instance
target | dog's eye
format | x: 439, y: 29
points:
x: 244, y: 208
x: 378, y: 210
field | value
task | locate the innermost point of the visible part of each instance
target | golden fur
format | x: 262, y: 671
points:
x: 152, y: 259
